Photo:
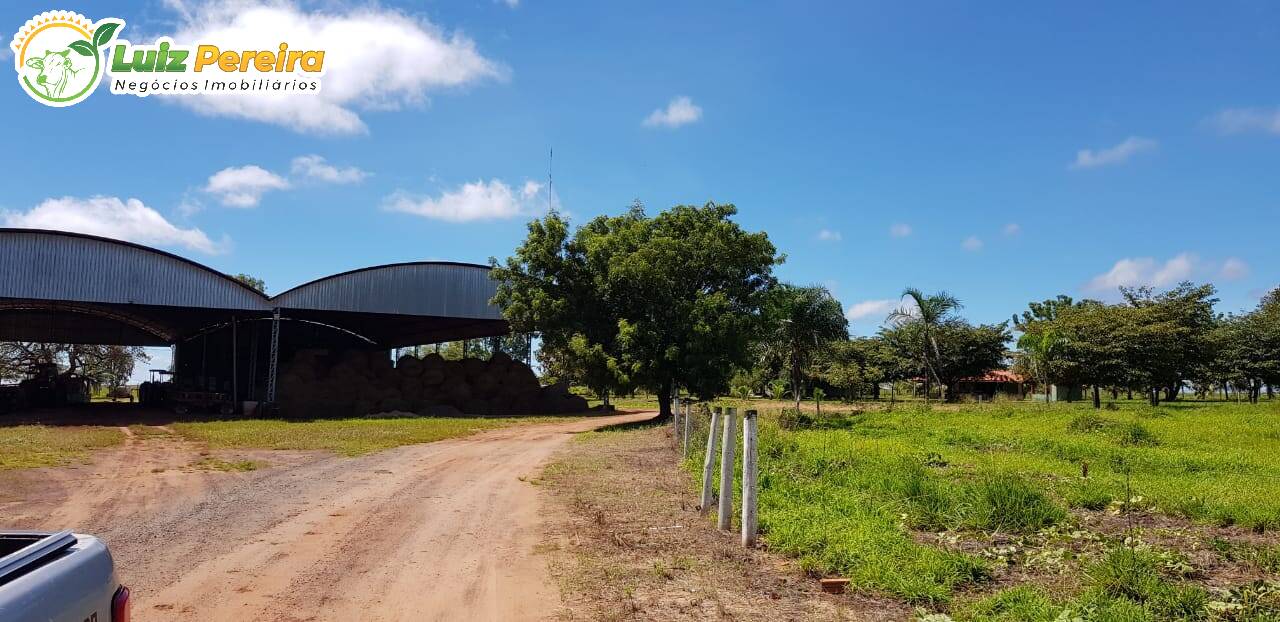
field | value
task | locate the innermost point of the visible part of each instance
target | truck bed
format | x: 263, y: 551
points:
x: 55, y: 577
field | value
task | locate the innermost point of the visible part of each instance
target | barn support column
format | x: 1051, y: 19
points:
x: 274, y: 359
x: 235, y: 367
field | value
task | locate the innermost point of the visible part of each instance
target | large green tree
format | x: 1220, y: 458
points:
x: 919, y: 321
x: 1042, y: 350
x: 1169, y: 336
x: 555, y: 285
x: 1247, y: 347
x: 957, y: 349
x: 857, y: 367
x: 102, y: 365
x: 799, y: 322
x: 671, y: 300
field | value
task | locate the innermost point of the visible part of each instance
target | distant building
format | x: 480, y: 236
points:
x: 992, y: 383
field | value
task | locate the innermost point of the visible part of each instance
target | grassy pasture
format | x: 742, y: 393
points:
x: 29, y: 446
x: 914, y: 502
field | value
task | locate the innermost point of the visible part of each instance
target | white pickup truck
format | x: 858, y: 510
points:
x: 58, y: 577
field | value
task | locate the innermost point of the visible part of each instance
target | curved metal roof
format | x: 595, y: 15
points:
x: 38, y: 264
x: 399, y: 304
x: 434, y: 288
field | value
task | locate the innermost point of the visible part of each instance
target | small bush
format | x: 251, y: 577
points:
x: 1088, y: 422
x: 928, y: 501
x: 1088, y: 494
x: 794, y: 419
x: 1134, y: 435
x: 1012, y: 605
x: 1127, y: 573
x: 1006, y: 502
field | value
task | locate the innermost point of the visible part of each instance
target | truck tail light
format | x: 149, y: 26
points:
x: 120, y: 605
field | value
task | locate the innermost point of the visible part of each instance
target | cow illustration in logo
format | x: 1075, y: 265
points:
x: 60, y: 56
x: 56, y: 72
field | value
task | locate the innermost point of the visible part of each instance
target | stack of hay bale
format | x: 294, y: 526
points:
x: 317, y: 383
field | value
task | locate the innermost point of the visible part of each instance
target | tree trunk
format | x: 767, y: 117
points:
x: 1130, y: 394
x: 1154, y: 393
x: 1115, y: 394
x: 664, y: 400
x: 1097, y: 398
x: 795, y: 379
x: 1048, y: 388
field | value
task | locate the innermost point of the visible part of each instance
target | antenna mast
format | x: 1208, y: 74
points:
x: 551, y: 156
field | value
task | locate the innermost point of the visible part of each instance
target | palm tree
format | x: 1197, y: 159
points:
x: 1042, y: 350
x: 929, y: 313
x: 800, y: 320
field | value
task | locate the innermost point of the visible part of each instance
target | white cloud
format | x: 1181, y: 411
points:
x: 510, y: 3
x: 376, y: 58
x: 1012, y: 229
x: 317, y: 168
x: 1234, y: 269
x: 478, y: 200
x: 874, y: 309
x: 1119, y: 154
x: 1139, y: 271
x: 1177, y: 269
x: 971, y: 244
x: 828, y: 235
x: 679, y: 111
x: 111, y: 217
x: 900, y: 230
x: 1242, y: 120
x: 243, y: 186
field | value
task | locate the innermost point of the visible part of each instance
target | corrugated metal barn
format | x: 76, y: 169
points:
x: 72, y: 288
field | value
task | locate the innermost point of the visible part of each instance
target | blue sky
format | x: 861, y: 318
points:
x: 1004, y: 153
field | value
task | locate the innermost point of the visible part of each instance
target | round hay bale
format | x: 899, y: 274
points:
x: 453, y: 369
x: 432, y: 376
x: 457, y: 393
x: 485, y: 384
x: 409, y: 366
x: 476, y: 406
x: 473, y: 367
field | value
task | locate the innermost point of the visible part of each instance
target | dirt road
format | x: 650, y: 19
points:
x: 442, y: 531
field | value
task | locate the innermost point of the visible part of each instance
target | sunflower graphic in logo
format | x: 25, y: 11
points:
x: 60, y: 56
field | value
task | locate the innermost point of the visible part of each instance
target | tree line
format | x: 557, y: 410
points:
x: 688, y: 299
x: 1155, y: 343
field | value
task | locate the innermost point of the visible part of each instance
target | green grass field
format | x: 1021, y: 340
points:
x: 864, y: 495
x: 28, y: 446
x: 349, y: 437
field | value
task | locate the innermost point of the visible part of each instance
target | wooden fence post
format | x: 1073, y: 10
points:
x: 709, y: 464
x: 688, y: 410
x: 728, y: 440
x: 749, y: 473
